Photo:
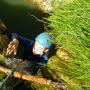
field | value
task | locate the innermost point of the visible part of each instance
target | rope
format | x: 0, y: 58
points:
x: 10, y: 72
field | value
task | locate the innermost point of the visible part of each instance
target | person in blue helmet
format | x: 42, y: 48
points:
x: 33, y: 51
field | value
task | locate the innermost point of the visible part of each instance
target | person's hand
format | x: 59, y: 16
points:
x: 12, y: 47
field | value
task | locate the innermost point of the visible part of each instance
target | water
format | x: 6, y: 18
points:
x: 18, y: 64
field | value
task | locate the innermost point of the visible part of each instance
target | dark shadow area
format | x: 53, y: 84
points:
x: 23, y: 86
x: 46, y: 74
x: 18, y: 19
x: 52, y: 51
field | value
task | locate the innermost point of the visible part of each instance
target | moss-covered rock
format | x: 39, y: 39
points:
x: 71, y: 31
x: 4, y: 40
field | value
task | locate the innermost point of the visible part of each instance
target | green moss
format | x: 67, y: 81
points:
x: 71, y: 30
x: 41, y: 87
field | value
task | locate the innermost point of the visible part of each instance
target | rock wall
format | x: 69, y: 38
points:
x: 3, y: 37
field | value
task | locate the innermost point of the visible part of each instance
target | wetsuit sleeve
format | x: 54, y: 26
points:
x: 43, y: 61
x: 21, y: 39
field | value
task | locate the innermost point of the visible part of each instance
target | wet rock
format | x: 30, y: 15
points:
x: 18, y: 64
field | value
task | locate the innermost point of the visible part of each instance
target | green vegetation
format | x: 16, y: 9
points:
x: 69, y: 24
x: 71, y: 32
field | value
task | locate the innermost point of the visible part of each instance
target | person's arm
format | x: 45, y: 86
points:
x: 21, y: 39
x: 16, y: 40
x: 12, y: 47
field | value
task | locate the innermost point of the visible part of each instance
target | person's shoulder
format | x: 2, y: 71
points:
x: 31, y: 42
x: 44, y: 57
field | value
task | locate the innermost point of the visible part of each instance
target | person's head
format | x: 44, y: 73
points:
x: 42, y: 43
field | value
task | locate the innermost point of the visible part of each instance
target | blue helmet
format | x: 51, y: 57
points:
x: 44, y: 39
